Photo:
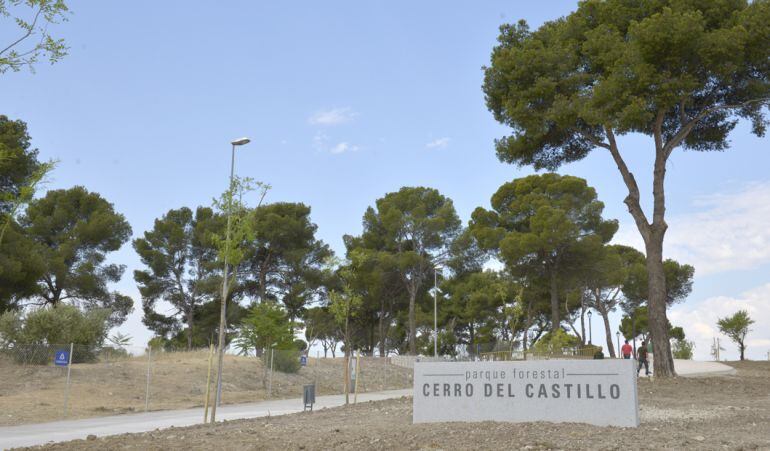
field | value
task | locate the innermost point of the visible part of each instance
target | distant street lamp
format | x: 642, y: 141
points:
x: 223, y: 307
x: 435, y: 310
x: 617, y: 334
x: 590, y: 329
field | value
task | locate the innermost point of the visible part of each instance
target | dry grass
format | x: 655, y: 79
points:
x: 727, y: 412
x: 35, y: 394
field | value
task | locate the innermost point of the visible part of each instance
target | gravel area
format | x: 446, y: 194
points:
x: 725, y: 412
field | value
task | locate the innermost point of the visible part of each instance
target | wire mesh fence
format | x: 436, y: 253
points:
x: 569, y: 353
x: 118, y: 380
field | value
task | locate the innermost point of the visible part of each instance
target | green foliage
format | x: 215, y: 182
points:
x: 73, y: 230
x: 181, y: 269
x: 156, y: 343
x: 679, y: 279
x: 59, y: 325
x: 320, y: 325
x: 682, y: 349
x: 676, y: 333
x: 344, y: 305
x: 736, y: 327
x: 266, y: 324
x: 231, y: 241
x: 554, y: 343
x: 475, y: 306
x: 409, y: 229
x: 284, y: 259
x: 284, y: 360
x: 638, y: 320
x: 20, y: 171
x: 120, y: 340
x: 20, y: 269
x: 32, y: 40
x: 20, y: 174
x: 681, y: 72
x: 690, y: 67
x: 543, y: 226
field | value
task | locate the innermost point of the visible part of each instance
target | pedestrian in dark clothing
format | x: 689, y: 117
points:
x: 641, y: 355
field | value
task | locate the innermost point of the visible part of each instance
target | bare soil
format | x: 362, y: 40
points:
x: 35, y: 394
x: 726, y: 412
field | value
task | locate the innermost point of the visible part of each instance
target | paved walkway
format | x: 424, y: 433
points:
x: 692, y: 368
x: 59, y: 431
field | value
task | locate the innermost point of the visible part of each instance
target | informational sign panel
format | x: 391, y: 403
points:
x: 303, y: 360
x: 62, y: 357
x: 599, y: 392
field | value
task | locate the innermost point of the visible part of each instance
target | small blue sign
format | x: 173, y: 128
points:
x: 61, y: 358
x: 303, y: 360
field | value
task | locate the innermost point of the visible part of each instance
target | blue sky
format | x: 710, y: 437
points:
x: 345, y: 101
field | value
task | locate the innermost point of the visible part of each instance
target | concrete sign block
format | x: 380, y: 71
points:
x: 599, y: 392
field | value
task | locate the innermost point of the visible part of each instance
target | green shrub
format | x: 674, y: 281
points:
x: 554, y: 343
x: 682, y: 349
x: 284, y: 360
x: 34, y: 337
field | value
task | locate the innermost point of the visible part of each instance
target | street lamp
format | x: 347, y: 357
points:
x: 435, y: 310
x: 590, y: 329
x: 617, y: 334
x: 223, y: 307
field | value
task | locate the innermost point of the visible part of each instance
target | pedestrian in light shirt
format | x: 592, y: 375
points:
x: 626, y: 351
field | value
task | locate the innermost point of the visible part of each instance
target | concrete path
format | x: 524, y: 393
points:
x: 693, y: 368
x: 59, y: 431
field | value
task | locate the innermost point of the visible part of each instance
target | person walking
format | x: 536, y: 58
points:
x: 641, y: 356
x: 626, y: 351
x: 650, y: 354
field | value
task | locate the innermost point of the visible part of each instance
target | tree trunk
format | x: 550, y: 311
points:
x: 381, y: 327
x: 555, y: 321
x: 658, y: 322
x: 189, y: 328
x: 412, y: 323
x: 265, y: 367
x: 652, y: 233
x: 608, y: 333
x: 527, y: 325
x: 582, y: 319
x: 472, y: 335
x: 742, y: 349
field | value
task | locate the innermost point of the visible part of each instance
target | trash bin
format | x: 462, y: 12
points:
x: 308, y: 396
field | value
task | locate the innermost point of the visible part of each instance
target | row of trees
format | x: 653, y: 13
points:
x: 547, y: 233
x: 544, y: 233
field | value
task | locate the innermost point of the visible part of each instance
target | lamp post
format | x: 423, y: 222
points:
x: 617, y: 334
x: 590, y: 330
x: 223, y: 307
x: 435, y: 310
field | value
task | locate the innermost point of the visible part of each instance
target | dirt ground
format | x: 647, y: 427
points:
x: 727, y: 412
x: 35, y: 394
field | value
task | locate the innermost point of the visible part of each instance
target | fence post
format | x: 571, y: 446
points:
x: 270, y: 382
x: 67, y: 389
x: 147, y: 390
x: 358, y: 377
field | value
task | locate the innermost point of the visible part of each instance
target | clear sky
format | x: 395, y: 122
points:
x: 345, y: 101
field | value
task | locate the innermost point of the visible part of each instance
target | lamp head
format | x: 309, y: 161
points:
x: 240, y: 141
